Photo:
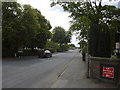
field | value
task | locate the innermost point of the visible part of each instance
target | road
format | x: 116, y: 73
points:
x: 35, y: 72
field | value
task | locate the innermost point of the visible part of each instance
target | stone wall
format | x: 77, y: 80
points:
x: 96, y: 69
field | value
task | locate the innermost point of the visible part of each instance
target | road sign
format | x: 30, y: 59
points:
x: 108, y: 72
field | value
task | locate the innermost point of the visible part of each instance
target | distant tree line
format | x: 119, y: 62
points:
x: 60, y: 39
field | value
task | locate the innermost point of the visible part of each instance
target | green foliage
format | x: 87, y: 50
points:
x: 11, y: 21
x: 95, y: 23
x: 82, y: 43
x: 83, y: 46
x: 65, y: 47
x: 29, y: 52
x: 61, y: 36
x: 37, y: 27
x: 81, y: 27
x: 84, y: 49
x: 114, y: 58
x: 58, y: 35
x: 53, y: 47
x: 23, y: 26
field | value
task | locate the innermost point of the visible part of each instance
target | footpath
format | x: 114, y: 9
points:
x: 75, y: 76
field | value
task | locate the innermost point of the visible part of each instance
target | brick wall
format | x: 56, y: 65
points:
x: 96, y: 69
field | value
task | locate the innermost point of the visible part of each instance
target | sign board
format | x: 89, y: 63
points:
x: 108, y: 72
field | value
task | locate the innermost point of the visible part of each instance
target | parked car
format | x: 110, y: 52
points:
x: 44, y: 53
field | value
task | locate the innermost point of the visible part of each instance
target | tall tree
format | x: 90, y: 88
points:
x: 23, y: 26
x: 37, y: 26
x: 43, y: 33
x: 11, y: 16
x: 61, y: 36
x: 97, y: 28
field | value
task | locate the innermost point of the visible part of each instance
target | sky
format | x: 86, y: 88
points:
x: 56, y: 15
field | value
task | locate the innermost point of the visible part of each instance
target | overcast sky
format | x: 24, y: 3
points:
x: 56, y: 15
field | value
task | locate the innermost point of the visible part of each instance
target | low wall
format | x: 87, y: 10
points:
x: 105, y: 69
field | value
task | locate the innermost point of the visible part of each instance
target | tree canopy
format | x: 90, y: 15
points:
x: 95, y: 23
x: 23, y: 26
x: 61, y: 36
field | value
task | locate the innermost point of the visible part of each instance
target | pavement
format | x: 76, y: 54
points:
x: 75, y: 76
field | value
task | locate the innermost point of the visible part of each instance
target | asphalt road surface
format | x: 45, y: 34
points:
x: 35, y: 72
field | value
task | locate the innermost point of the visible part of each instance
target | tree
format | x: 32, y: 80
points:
x: 37, y: 27
x: 11, y: 17
x: 67, y: 37
x: 97, y: 29
x: 31, y: 26
x: 53, y: 47
x: 82, y: 44
x: 23, y: 26
x: 43, y: 33
x: 61, y: 36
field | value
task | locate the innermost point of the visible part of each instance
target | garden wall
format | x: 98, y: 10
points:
x: 105, y: 69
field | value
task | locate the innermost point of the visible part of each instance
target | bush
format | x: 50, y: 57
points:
x: 53, y: 47
x: 64, y: 47
x: 29, y: 52
x: 84, y: 49
x: 113, y: 57
x: 60, y: 50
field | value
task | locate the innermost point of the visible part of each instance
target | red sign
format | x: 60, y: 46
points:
x: 108, y: 72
